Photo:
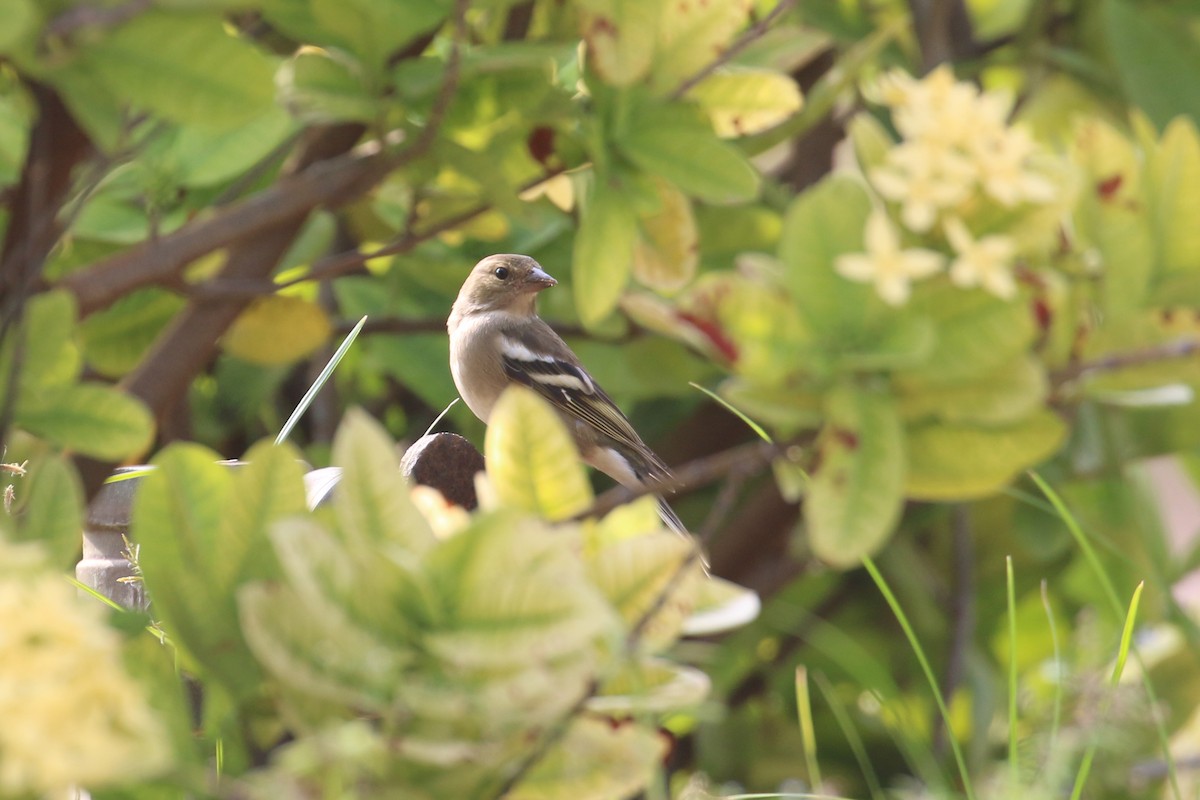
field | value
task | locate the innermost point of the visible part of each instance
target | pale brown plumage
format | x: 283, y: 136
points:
x: 497, y: 338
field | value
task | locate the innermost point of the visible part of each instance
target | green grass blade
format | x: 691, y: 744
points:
x: 853, y: 739
x: 1089, y: 755
x: 1056, y: 714
x: 919, y: 651
x: 1014, y: 767
x: 751, y: 424
x: 311, y: 394
x: 807, y: 731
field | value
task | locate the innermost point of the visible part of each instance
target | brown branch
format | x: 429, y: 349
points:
x: 745, y: 459
x: 752, y: 34
x: 1168, y: 351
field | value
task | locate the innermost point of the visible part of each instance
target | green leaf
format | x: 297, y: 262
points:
x: 595, y: 761
x: 49, y: 359
x: 97, y: 421
x: 976, y: 335
x: 375, y: 29
x: 949, y: 461
x: 634, y: 572
x: 691, y: 35
x: 374, y: 510
x: 650, y: 686
x: 871, y: 141
x: 856, y: 494
x: 51, y: 511
x: 178, y: 522
x: 620, y: 36
x: 742, y: 101
x: 603, y: 255
x: 205, y: 76
x: 667, y: 251
x: 533, y: 463
x: 1010, y: 393
x: 1172, y: 184
x: 115, y: 339
x: 268, y: 488
x: 513, y: 595
x: 907, y: 341
x: 1151, y: 49
x: 20, y: 17
x: 823, y: 223
x: 676, y: 143
x: 204, y: 157
x: 326, y: 86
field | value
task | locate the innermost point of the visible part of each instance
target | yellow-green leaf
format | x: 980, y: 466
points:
x: 595, y: 761
x: 51, y: 510
x: 532, y: 463
x: 277, y: 329
x: 620, y: 36
x: 95, y: 420
x: 1173, y: 186
x: 1010, y: 393
x: 186, y: 67
x: 744, y: 101
x: 668, y: 250
x: 692, y: 34
x: 603, y: 257
x: 856, y: 494
x: 116, y: 338
x: 954, y: 461
x: 372, y: 500
x: 650, y: 685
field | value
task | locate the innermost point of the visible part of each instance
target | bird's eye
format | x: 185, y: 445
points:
x: 501, y: 273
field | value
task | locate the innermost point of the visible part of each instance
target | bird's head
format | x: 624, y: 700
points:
x: 505, y: 282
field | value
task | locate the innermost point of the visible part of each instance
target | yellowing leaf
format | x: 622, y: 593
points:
x: 963, y: 462
x: 1173, y: 186
x: 620, y: 37
x: 693, y: 33
x: 745, y: 101
x: 277, y: 329
x: 856, y: 493
x: 667, y: 252
x: 603, y: 257
x: 532, y: 463
x: 595, y: 761
x: 1012, y: 392
x: 650, y: 685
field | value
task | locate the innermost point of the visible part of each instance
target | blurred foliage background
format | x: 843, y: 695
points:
x: 924, y: 248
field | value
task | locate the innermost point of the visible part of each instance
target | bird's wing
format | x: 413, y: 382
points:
x: 553, y: 371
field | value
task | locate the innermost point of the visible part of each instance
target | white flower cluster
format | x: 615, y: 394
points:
x: 72, y: 716
x: 957, y: 151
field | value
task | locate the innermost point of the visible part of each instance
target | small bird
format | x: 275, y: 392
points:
x: 497, y: 339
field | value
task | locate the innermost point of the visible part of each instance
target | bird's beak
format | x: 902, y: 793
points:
x: 540, y: 279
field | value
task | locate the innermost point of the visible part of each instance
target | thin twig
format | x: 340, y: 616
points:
x: 1168, y: 351
x: 752, y: 34
x: 726, y: 497
x: 745, y: 459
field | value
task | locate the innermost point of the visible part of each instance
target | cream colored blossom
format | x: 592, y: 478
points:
x: 71, y: 714
x: 985, y: 262
x: 885, y: 263
x: 1004, y: 172
x: 924, y: 180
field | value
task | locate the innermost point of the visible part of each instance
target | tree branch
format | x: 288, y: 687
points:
x: 1168, y: 351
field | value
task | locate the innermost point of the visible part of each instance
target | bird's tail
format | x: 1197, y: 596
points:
x: 672, y: 521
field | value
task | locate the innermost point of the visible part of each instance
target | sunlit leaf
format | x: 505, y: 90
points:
x: 1172, y: 183
x: 532, y: 462
x: 373, y: 506
x: 20, y: 17
x: 98, y: 421
x: 115, y: 339
x: 676, y: 144
x: 595, y: 761
x: 856, y: 494
x: 205, y: 77
x: 823, y: 223
x: 650, y: 685
x: 277, y: 329
x: 269, y: 487
x: 205, y: 157
x: 325, y: 86
x: 620, y: 36
x: 667, y: 252
x: 963, y: 462
x: 692, y: 35
x: 745, y: 101
x: 375, y: 29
